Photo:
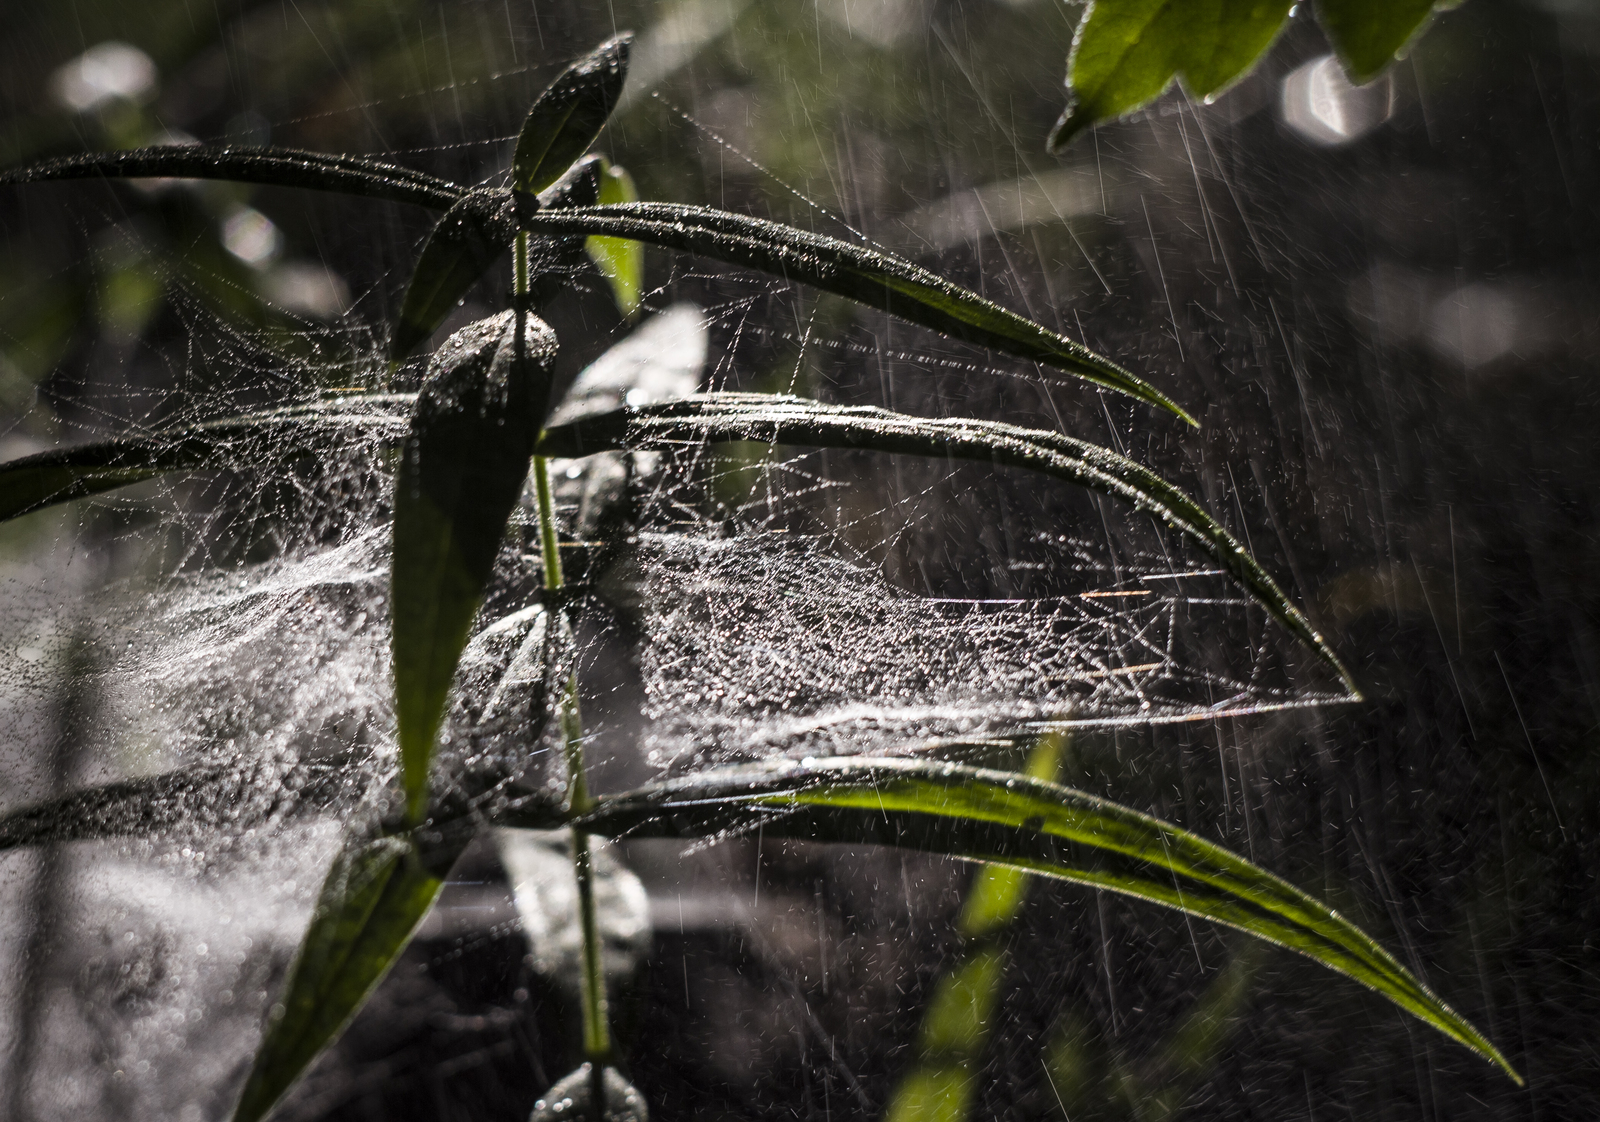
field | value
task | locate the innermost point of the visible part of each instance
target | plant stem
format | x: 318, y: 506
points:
x: 596, y: 1031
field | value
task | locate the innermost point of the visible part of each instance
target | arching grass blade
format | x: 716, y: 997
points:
x: 461, y: 473
x: 372, y: 900
x: 791, y: 420
x: 1028, y: 824
x: 278, y: 167
x: 568, y: 116
x: 261, y: 441
x: 868, y: 276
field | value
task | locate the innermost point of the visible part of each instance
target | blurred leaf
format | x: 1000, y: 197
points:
x: 281, y: 167
x: 876, y: 279
x: 375, y: 895
x: 568, y: 116
x: 461, y: 473
x: 260, y: 442
x: 619, y: 260
x: 1370, y: 34
x: 1029, y: 824
x: 1127, y: 52
x: 955, y: 1026
x: 791, y: 420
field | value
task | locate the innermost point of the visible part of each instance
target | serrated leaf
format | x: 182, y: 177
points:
x: 620, y: 260
x: 372, y: 900
x: 1029, y: 824
x: 568, y: 116
x: 792, y: 420
x: 280, y: 167
x: 261, y: 442
x: 1369, y: 34
x: 1127, y: 52
x: 461, y: 472
x: 868, y: 276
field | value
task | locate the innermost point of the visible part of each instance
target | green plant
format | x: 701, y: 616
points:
x: 465, y: 444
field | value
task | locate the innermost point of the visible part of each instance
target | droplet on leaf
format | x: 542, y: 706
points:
x: 572, y: 1099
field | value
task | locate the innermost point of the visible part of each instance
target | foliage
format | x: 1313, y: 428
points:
x: 466, y: 441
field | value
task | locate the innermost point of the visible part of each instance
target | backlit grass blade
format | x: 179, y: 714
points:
x: 619, y: 260
x: 792, y: 420
x: 372, y: 900
x: 568, y: 116
x: 1028, y: 824
x: 461, y: 473
x: 868, y: 276
x: 262, y: 441
x: 279, y: 167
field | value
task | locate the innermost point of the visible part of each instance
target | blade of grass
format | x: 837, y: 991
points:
x: 279, y: 167
x: 1032, y: 825
x: 791, y: 420
x: 868, y: 276
x: 262, y: 442
x: 567, y: 117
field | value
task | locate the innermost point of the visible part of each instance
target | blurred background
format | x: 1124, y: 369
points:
x: 1381, y: 302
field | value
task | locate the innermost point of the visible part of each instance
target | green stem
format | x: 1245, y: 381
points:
x: 596, y: 1031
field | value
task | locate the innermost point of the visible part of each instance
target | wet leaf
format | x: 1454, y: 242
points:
x: 461, y: 472
x: 280, y: 167
x: 260, y: 442
x: 1032, y: 825
x: 791, y: 420
x: 375, y: 895
x: 620, y: 260
x: 568, y: 116
x: 868, y: 276
x: 571, y: 1099
x: 1127, y: 52
x: 1369, y: 34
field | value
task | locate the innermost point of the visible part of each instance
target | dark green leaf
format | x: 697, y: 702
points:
x: 471, y: 237
x: 619, y: 260
x: 281, y: 167
x: 461, y: 472
x: 1126, y: 52
x: 568, y: 116
x: 792, y: 420
x: 375, y: 895
x: 869, y: 276
x: 261, y: 442
x: 1368, y: 34
x: 1030, y: 824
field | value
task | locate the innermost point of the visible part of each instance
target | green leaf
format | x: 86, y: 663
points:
x: 1127, y: 52
x: 280, y: 167
x: 793, y: 420
x: 1032, y: 825
x: 871, y: 277
x: 1370, y: 34
x: 620, y: 260
x: 461, y: 472
x: 472, y: 235
x: 260, y: 442
x: 568, y: 116
x: 375, y: 895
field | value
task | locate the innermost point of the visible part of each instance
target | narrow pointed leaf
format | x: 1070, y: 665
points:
x: 868, y: 276
x: 568, y: 116
x: 1029, y: 824
x: 461, y: 472
x: 262, y: 442
x: 792, y: 420
x: 279, y: 167
x: 375, y: 895
x: 471, y: 237
x: 1369, y: 34
x: 620, y: 260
